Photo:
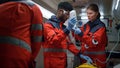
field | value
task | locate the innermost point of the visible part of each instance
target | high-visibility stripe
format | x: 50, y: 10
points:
x: 28, y: 2
x: 36, y: 38
x: 36, y: 27
x: 15, y: 41
x: 54, y: 50
x: 95, y: 53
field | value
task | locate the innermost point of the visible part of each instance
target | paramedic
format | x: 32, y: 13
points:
x: 20, y: 33
x: 93, y: 37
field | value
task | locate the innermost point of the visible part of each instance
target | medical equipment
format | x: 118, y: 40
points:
x: 112, y: 50
x: 87, y: 65
x: 72, y: 15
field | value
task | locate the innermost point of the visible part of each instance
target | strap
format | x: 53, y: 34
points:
x: 15, y: 42
x: 54, y: 50
x: 95, y: 53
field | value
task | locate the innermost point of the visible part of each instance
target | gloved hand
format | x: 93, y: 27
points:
x: 87, y: 58
x: 71, y: 23
x: 79, y: 23
x: 76, y: 30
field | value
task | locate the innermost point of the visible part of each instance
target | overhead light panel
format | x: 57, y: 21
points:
x: 101, y: 17
x: 46, y: 13
x: 101, y: 13
x: 82, y: 14
x: 117, y: 4
x: 84, y: 17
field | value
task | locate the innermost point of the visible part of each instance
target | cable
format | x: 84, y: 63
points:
x: 114, y: 46
x: 112, y: 50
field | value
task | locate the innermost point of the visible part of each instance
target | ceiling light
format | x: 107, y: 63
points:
x: 101, y: 17
x: 82, y: 14
x: 85, y: 17
x: 117, y: 4
x: 101, y: 13
x: 83, y: 10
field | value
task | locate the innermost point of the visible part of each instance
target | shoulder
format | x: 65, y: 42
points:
x: 102, y: 24
x: 28, y: 2
x: 47, y: 25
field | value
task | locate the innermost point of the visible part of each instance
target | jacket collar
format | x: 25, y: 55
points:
x: 54, y: 21
x: 94, y: 23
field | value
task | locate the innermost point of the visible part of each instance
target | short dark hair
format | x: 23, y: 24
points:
x: 65, y: 5
x: 95, y: 8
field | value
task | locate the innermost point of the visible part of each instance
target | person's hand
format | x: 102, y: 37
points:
x: 87, y: 58
x: 79, y: 24
x: 71, y: 23
x: 76, y: 30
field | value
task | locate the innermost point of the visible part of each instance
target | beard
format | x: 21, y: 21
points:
x: 62, y: 18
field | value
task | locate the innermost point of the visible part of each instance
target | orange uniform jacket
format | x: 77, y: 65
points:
x: 55, y: 45
x: 20, y: 34
x: 94, y: 43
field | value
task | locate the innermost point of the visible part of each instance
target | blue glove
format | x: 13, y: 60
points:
x: 79, y: 23
x: 71, y: 23
x: 87, y: 58
x: 76, y: 30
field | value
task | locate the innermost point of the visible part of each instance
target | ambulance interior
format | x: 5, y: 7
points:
x: 110, y: 15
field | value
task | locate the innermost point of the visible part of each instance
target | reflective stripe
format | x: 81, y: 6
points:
x: 37, y: 38
x: 36, y: 27
x: 95, y: 53
x: 54, y: 50
x: 15, y: 41
x: 28, y: 2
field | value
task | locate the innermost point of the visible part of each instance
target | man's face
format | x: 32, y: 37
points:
x: 63, y: 15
